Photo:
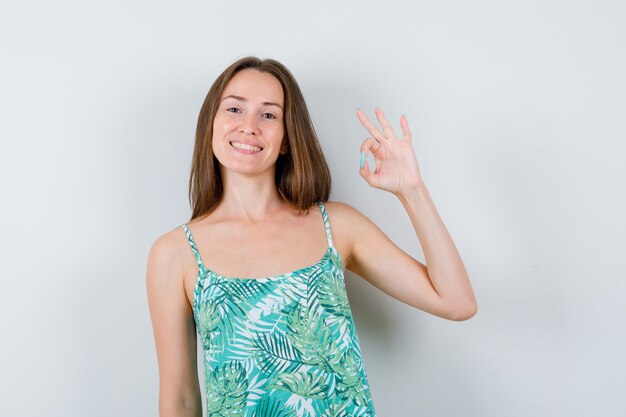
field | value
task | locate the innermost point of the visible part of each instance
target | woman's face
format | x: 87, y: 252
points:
x: 248, y: 127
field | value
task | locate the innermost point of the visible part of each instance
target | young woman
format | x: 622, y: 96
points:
x: 258, y: 271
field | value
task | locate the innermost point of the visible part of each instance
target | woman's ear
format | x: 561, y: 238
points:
x: 284, y: 146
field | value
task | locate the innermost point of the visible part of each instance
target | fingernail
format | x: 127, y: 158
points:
x: 362, y: 159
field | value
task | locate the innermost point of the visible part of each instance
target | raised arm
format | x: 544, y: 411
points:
x: 442, y: 286
x: 174, y: 331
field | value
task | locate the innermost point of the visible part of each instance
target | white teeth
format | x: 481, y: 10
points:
x: 245, y: 146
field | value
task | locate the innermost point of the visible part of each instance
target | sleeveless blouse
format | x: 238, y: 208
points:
x: 282, y: 345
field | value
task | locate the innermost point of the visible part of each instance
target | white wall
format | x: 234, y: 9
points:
x: 517, y: 111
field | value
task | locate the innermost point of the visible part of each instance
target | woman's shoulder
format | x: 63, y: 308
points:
x: 170, y: 238
x: 167, y: 248
x: 338, y: 208
x: 341, y: 210
x: 169, y: 270
x: 344, y: 216
x: 349, y: 220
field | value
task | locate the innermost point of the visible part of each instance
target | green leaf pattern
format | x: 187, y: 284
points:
x: 281, y: 346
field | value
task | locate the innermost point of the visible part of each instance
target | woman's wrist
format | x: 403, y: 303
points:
x: 416, y: 193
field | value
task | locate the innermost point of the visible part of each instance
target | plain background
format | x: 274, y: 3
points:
x: 517, y: 111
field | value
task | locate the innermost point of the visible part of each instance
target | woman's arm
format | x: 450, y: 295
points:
x: 442, y: 286
x: 174, y: 331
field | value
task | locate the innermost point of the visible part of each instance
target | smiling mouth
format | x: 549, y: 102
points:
x: 245, y: 146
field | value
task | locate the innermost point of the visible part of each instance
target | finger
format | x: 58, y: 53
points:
x: 406, y: 132
x: 367, y: 174
x: 384, y: 123
x: 370, y: 145
x: 369, y: 126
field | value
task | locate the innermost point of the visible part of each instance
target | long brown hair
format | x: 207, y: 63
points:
x: 302, y: 175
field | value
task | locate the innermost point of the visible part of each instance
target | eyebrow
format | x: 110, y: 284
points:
x: 265, y: 103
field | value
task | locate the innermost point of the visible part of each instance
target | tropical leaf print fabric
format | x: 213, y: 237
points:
x: 280, y: 346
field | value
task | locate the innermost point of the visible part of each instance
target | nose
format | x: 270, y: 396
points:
x: 249, y: 124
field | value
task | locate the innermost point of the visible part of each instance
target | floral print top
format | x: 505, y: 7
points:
x: 283, y: 345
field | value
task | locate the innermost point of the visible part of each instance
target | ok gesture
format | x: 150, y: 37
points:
x: 397, y: 170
